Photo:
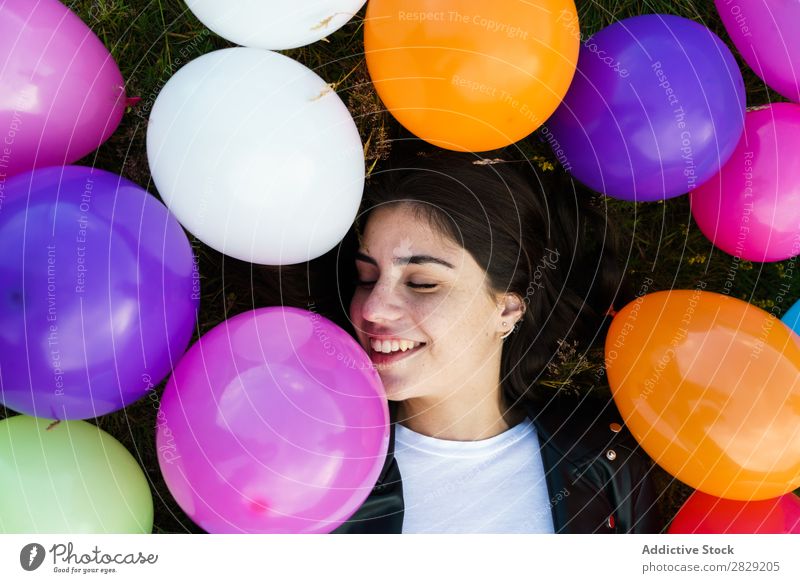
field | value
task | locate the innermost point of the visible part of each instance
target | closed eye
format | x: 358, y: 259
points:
x: 361, y: 283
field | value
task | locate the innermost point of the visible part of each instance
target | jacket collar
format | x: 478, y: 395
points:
x: 390, y: 454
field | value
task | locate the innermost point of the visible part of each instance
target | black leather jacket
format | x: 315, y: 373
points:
x: 597, y: 475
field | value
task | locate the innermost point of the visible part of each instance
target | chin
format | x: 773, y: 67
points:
x: 396, y: 394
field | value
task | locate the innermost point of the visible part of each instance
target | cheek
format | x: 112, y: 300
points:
x: 469, y: 319
x: 353, y: 307
x: 437, y: 324
x: 357, y: 301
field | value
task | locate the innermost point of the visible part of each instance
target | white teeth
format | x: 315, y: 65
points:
x: 389, y: 346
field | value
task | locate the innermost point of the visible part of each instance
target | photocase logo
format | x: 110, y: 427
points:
x: 31, y: 556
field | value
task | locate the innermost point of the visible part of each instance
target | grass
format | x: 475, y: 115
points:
x: 152, y: 39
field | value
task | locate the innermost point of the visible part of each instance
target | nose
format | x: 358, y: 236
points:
x: 381, y: 304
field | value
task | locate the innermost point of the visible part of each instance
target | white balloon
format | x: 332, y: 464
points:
x: 274, y: 24
x: 256, y: 156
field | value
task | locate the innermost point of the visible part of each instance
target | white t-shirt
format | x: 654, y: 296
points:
x: 494, y: 485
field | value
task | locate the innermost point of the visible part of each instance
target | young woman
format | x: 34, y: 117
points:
x: 471, y: 272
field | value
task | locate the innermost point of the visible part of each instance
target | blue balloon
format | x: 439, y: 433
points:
x: 792, y: 318
x: 656, y: 108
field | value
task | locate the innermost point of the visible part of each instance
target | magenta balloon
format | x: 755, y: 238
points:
x: 765, y: 33
x: 751, y: 208
x: 275, y: 421
x: 61, y: 93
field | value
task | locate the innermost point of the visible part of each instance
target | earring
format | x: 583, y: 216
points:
x: 507, y: 334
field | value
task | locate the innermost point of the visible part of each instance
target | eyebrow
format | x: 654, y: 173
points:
x: 415, y: 259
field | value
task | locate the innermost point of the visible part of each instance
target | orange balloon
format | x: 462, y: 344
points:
x: 710, y: 387
x: 471, y: 75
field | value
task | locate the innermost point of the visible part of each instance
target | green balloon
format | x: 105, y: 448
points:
x: 71, y: 478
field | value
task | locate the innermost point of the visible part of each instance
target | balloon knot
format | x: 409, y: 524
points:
x: 328, y: 88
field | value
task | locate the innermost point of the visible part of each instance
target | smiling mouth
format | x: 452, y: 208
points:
x: 383, y: 358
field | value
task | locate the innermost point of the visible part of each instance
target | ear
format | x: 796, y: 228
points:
x: 511, y: 307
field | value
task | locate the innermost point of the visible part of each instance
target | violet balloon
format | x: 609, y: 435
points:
x: 751, y: 208
x: 275, y: 421
x: 765, y: 33
x: 61, y: 93
x: 656, y: 108
x: 98, y: 292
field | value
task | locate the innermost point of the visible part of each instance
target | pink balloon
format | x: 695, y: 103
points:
x: 275, y: 421
x: 61, y: 93
x: 706, y: 514
x: 751, y: 208
x: 765, y: 33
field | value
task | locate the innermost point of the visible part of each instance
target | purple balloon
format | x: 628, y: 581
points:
x: 61, y: 93
x: 98, y: 296
x: 656, y: 108
x: 766, y: 34
x: 275, y: 421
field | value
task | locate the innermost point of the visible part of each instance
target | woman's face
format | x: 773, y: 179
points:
x: 452, y: 315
